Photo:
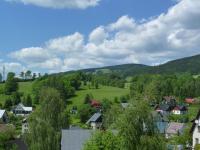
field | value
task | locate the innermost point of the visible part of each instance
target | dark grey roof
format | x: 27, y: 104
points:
x: 94, y: 118
x: 164, y: 107
x: 75, y: 139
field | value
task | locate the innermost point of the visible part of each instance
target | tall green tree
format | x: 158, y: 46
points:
x: 138, y: 130
x: 47, y: 121
x: 11, y: 84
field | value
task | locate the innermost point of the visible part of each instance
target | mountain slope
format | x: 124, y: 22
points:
x: 184, y: 65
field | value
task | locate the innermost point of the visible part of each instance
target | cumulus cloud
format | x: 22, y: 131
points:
x: 77, y: 4
x: 11, y: 67
x: 170, y: 35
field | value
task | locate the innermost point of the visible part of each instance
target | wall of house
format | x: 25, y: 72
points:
x: 176, y: 112
x: 196, y: 135
x: 95, y: 125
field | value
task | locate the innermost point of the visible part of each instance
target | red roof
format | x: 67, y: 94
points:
x: 189, y: 100
x: 177, y: 108
x: 95, y: 103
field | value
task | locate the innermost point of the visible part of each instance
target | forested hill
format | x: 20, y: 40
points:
x: 184, y: 65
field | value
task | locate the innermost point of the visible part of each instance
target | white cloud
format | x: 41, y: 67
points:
x: 171, y: 35
x: 32, y: 55
x: 98, y: 35
x: 68, y: 43
x: 77, y: 4
x: 11, y: 67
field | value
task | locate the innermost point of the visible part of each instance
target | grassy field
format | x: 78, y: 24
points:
x: 24, y: 87
x: 99, y: 94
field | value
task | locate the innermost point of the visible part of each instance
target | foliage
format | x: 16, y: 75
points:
x: 27, y: 101
x: 137, y: 128
x: 154, y: 87
x: 111, y: 116
x: 46, y: 122
x: 11, y: 84
x: 6, y: 135
x: 8, y: 104
x: 16, y: 98
x: 85, y: 112
x: 184, y: 65
x: 103, y: 140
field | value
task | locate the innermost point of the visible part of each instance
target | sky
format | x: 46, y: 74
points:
x: 61, y: 35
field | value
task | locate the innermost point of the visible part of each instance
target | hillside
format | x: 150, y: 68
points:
x: 184, y: 65
x: 25, y: 87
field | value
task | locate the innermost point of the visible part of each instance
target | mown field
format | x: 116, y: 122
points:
x: 99, y: 94
x: 24, y: 87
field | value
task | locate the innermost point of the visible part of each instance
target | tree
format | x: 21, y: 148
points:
x: 16, y: 98
x: 87, y: 99
x: 96, y: 85
x: 47, y: 121
x: 52, y: 107
x: 8, y: 104
x: 138, y: 130
x: 85, y: 112
x: 22, y: 74
x: 111, y: 116
x: 28, y: 74
x: 27, y: 101
x: 103, y: 140
x: 1, y: 77
x: 34, y: 75
x: 11, y: 84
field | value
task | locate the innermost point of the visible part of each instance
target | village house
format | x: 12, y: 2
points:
x: 161, y: 121
x: 95, y: 121
x: 3, y: 116
x: 163, y: 108
x: 179, y: 110
x: 169, y: 100
x: 95, y: 104
x: 190, y: 100
x: 195, y: 130
x: 174, y: 128
x: 21, y: 110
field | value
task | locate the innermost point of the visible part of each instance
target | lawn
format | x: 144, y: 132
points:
x: 24, y: 87
x: 99, y: 94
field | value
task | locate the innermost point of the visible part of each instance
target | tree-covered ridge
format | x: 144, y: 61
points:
x: 184, y: 65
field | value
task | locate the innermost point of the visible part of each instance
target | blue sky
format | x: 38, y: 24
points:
x: 52, y: 36
x: 28, y: 25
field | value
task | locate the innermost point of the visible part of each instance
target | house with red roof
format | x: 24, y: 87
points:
x: 190, y: 100
x: 95, y: 103
x: 179, y: 110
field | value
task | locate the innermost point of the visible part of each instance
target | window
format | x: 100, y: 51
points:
x: 198, y: 129
x: 196, y: 141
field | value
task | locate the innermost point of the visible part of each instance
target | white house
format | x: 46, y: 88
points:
x: 179, y: 110
x: 21, y: 110
x: 95, y: 121
x: 195, y: 130
x: 3, y: 116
